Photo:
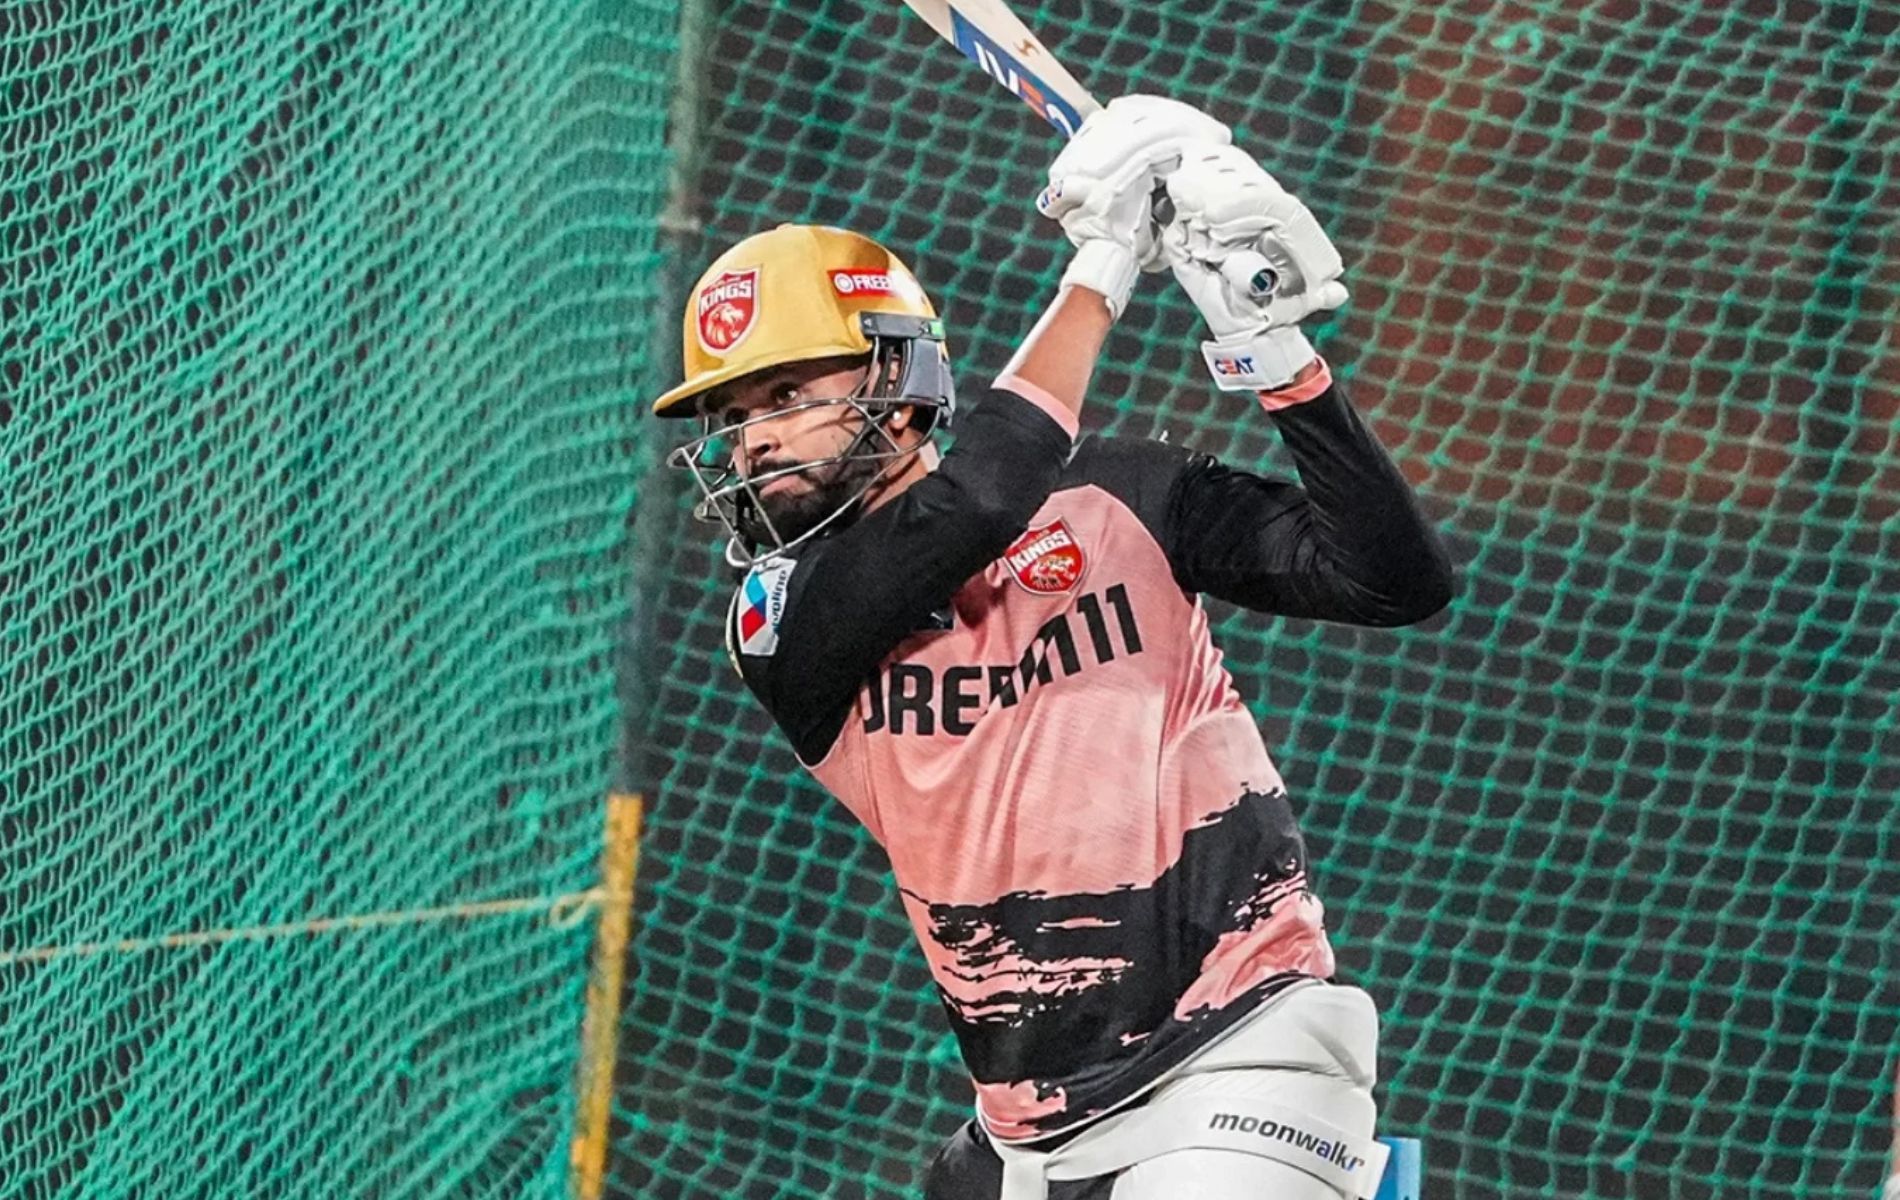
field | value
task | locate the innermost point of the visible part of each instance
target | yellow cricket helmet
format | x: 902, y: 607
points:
x: 801, y: 292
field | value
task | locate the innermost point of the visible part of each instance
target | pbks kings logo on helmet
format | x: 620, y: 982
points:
x: 1047, y: 559
x: 727, y: 309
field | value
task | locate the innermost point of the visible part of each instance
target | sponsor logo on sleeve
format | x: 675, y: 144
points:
x: 1047, y: 560
x: 727, y: 309
x: 762, y: 606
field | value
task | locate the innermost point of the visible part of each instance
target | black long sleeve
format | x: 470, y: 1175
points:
x: 848, y: 599
x: 1348, y: 544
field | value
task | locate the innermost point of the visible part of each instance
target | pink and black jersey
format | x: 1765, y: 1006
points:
x: 1006, y: 674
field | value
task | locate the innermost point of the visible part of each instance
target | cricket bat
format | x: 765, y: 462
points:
x: 988, y: 34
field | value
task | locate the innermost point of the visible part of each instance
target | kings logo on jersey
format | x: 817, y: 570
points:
x: 1046, y: 560
x: 727, y: 309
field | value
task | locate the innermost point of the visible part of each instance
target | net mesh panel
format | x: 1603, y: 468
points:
x: 1612, y: 841
x: 319, y: 326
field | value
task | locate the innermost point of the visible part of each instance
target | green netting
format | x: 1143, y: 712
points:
x: 319, y: 332
x: 1612, y: 842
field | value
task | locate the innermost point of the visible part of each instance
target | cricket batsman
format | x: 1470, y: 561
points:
x: 997, y: 658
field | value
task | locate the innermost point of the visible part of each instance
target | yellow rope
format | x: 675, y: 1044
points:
x: 562, y: 911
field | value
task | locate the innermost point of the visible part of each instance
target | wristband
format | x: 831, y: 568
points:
x: 1295, y: 394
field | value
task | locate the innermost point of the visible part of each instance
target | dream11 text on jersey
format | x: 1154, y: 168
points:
x: 953, y: 701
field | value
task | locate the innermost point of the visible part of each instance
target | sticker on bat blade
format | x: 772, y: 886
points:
x: 1008, y: 70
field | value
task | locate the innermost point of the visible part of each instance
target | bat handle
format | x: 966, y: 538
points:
x: 1249, y: 273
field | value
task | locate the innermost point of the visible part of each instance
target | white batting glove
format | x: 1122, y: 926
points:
x: 1255, y: 263
x: 1101, y: 188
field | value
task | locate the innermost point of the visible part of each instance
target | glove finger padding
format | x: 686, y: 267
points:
x: 1224, y: 201
x: 1135, y: 128
x: 1232, y: 312
x: 1300, y: 250
x: 1228, y: 310
x: 1100, y: 185
x: 1113, y: 207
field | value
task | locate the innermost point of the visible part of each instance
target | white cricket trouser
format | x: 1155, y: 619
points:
x: 1280, y: 1109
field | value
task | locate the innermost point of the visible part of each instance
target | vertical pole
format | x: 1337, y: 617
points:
x: 658, y: 515
x: 679, y: 223
x: 587, y: 1159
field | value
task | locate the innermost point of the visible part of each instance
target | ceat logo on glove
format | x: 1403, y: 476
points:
x: 1233, y: 366
x: 728, y: 309
x: 1046, y: 560
x: 872, y: 283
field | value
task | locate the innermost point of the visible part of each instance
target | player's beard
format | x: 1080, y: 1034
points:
x: 794, y: 512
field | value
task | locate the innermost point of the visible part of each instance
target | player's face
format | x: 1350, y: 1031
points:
x: 798, y: 435
x: 783, y: 427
